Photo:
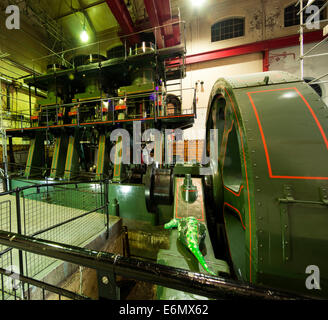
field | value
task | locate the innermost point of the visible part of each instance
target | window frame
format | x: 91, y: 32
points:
x: 323, y: 14
x: 220, y: 36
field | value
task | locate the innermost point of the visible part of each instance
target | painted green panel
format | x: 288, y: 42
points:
x: 59, y: 157
x: 36, y: 159
x: 285, y: 117
x: 131, y: 199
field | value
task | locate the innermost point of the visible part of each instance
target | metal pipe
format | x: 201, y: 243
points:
x: 108, y: 40
x: 308, y: 4
x: 314, y: 80
x: 316, y: 55
x: 317, y: 45
x: 319, y: 82
x: 175, y: 278
x: 20, y: 66
x: 24, y: 87
x: 19, y: 229
x: 320, y: 10
x: 302, y: 40
x: 106, y: 208
x: 30, y: 103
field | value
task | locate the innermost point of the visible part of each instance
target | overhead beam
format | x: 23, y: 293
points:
x: 122, y: 15
x: 164, y: 14
x: 160, y: 14
x: 154, y: 21
x: 254, y: 47
x: 82, y: 9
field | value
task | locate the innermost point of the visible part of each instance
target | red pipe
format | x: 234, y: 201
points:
x: 122, y: 15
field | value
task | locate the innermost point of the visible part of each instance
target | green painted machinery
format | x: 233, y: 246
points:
x: 268, y: 190
x: 89, y: 100
x: 48, y: 110
x: 89, y: 90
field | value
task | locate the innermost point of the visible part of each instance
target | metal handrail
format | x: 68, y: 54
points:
x: 44, y: 286
x: 175, y: 278
x: 49, y: 185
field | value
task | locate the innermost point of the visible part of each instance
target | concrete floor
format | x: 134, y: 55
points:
x: 40, y: 215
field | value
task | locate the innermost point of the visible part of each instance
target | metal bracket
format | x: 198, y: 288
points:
x: 290, y: 199
x: 107, y: 288
x: 284, y: 203
x: 284, y: 218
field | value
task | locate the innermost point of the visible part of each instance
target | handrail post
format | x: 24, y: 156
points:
x: 106, y: 203
x: 19, y: 231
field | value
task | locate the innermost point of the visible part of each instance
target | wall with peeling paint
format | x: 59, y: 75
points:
x: 287, y: 59
x: 264, y: 19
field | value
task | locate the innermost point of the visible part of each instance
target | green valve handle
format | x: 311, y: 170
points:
x: 191, y: 234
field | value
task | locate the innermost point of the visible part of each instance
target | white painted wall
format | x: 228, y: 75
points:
x: 287, y: 59
x: 264, y: 19
x: 210, y: 72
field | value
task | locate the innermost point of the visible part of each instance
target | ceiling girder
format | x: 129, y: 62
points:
x: 159, y: 13
x: 122, y: 15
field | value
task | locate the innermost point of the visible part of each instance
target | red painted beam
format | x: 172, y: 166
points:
x: 122, y: 15
x: 174, y: 38
x: 154, y: 21
x: 266, y: 63
x: 163, y: 9
x: 159, y: 13
x: 254, y: 47
x: 171, y: 32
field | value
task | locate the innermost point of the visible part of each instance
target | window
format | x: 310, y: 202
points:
x: 228, y: 29
x: 292, y: 19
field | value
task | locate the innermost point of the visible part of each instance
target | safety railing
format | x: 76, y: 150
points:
x: 68, y: 212
x: 110, y: 111
x: 107, y: 108
x: 13, y: 284
x: 18, y: 170
x: 110, y: 265
x: 127, y: 51
x: 37, y: 228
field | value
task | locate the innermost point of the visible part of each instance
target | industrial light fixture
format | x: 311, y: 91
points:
x: 84, y: 36
x: 197, y: 3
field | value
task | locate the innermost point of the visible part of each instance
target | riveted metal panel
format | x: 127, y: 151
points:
x: 278, y: 221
